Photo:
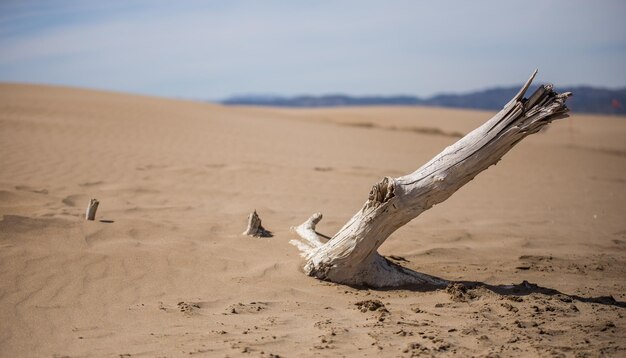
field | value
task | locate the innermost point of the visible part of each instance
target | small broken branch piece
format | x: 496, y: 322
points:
x: 90, y: 214
x: 310, y: 240
x: 255, y: 229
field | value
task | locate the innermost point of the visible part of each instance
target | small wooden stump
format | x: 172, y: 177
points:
x: 90, y: 214
x: 255, y: 229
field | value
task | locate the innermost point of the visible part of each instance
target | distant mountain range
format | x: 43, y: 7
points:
x: 586, y: 99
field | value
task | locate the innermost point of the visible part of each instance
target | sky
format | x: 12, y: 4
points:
x: 215, y: 49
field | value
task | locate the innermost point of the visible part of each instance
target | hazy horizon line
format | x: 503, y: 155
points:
x: 309, y: 94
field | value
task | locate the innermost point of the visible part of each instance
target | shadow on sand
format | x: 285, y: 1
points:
x: 521, y: 289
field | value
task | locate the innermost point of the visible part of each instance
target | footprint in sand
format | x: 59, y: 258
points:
x: 188, y: 308
x: 74, y: 200
x: 31, y: 189
x: 91, y: 183
x: 323, y: 169
x: 252, y: 307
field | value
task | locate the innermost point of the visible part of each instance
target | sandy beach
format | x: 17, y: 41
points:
x: 164, y: 270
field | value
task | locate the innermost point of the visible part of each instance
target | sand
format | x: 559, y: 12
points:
x: 165, y: 272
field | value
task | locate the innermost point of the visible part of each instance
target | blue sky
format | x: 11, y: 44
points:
x: 213, y: 49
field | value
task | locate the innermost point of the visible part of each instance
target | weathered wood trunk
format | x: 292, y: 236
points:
x: 351, y: 256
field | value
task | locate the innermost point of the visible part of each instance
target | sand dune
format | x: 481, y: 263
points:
x: 164, y: 270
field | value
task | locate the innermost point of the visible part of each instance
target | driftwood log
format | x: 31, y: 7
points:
x: 92, y: 207
x: 351, y: 257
